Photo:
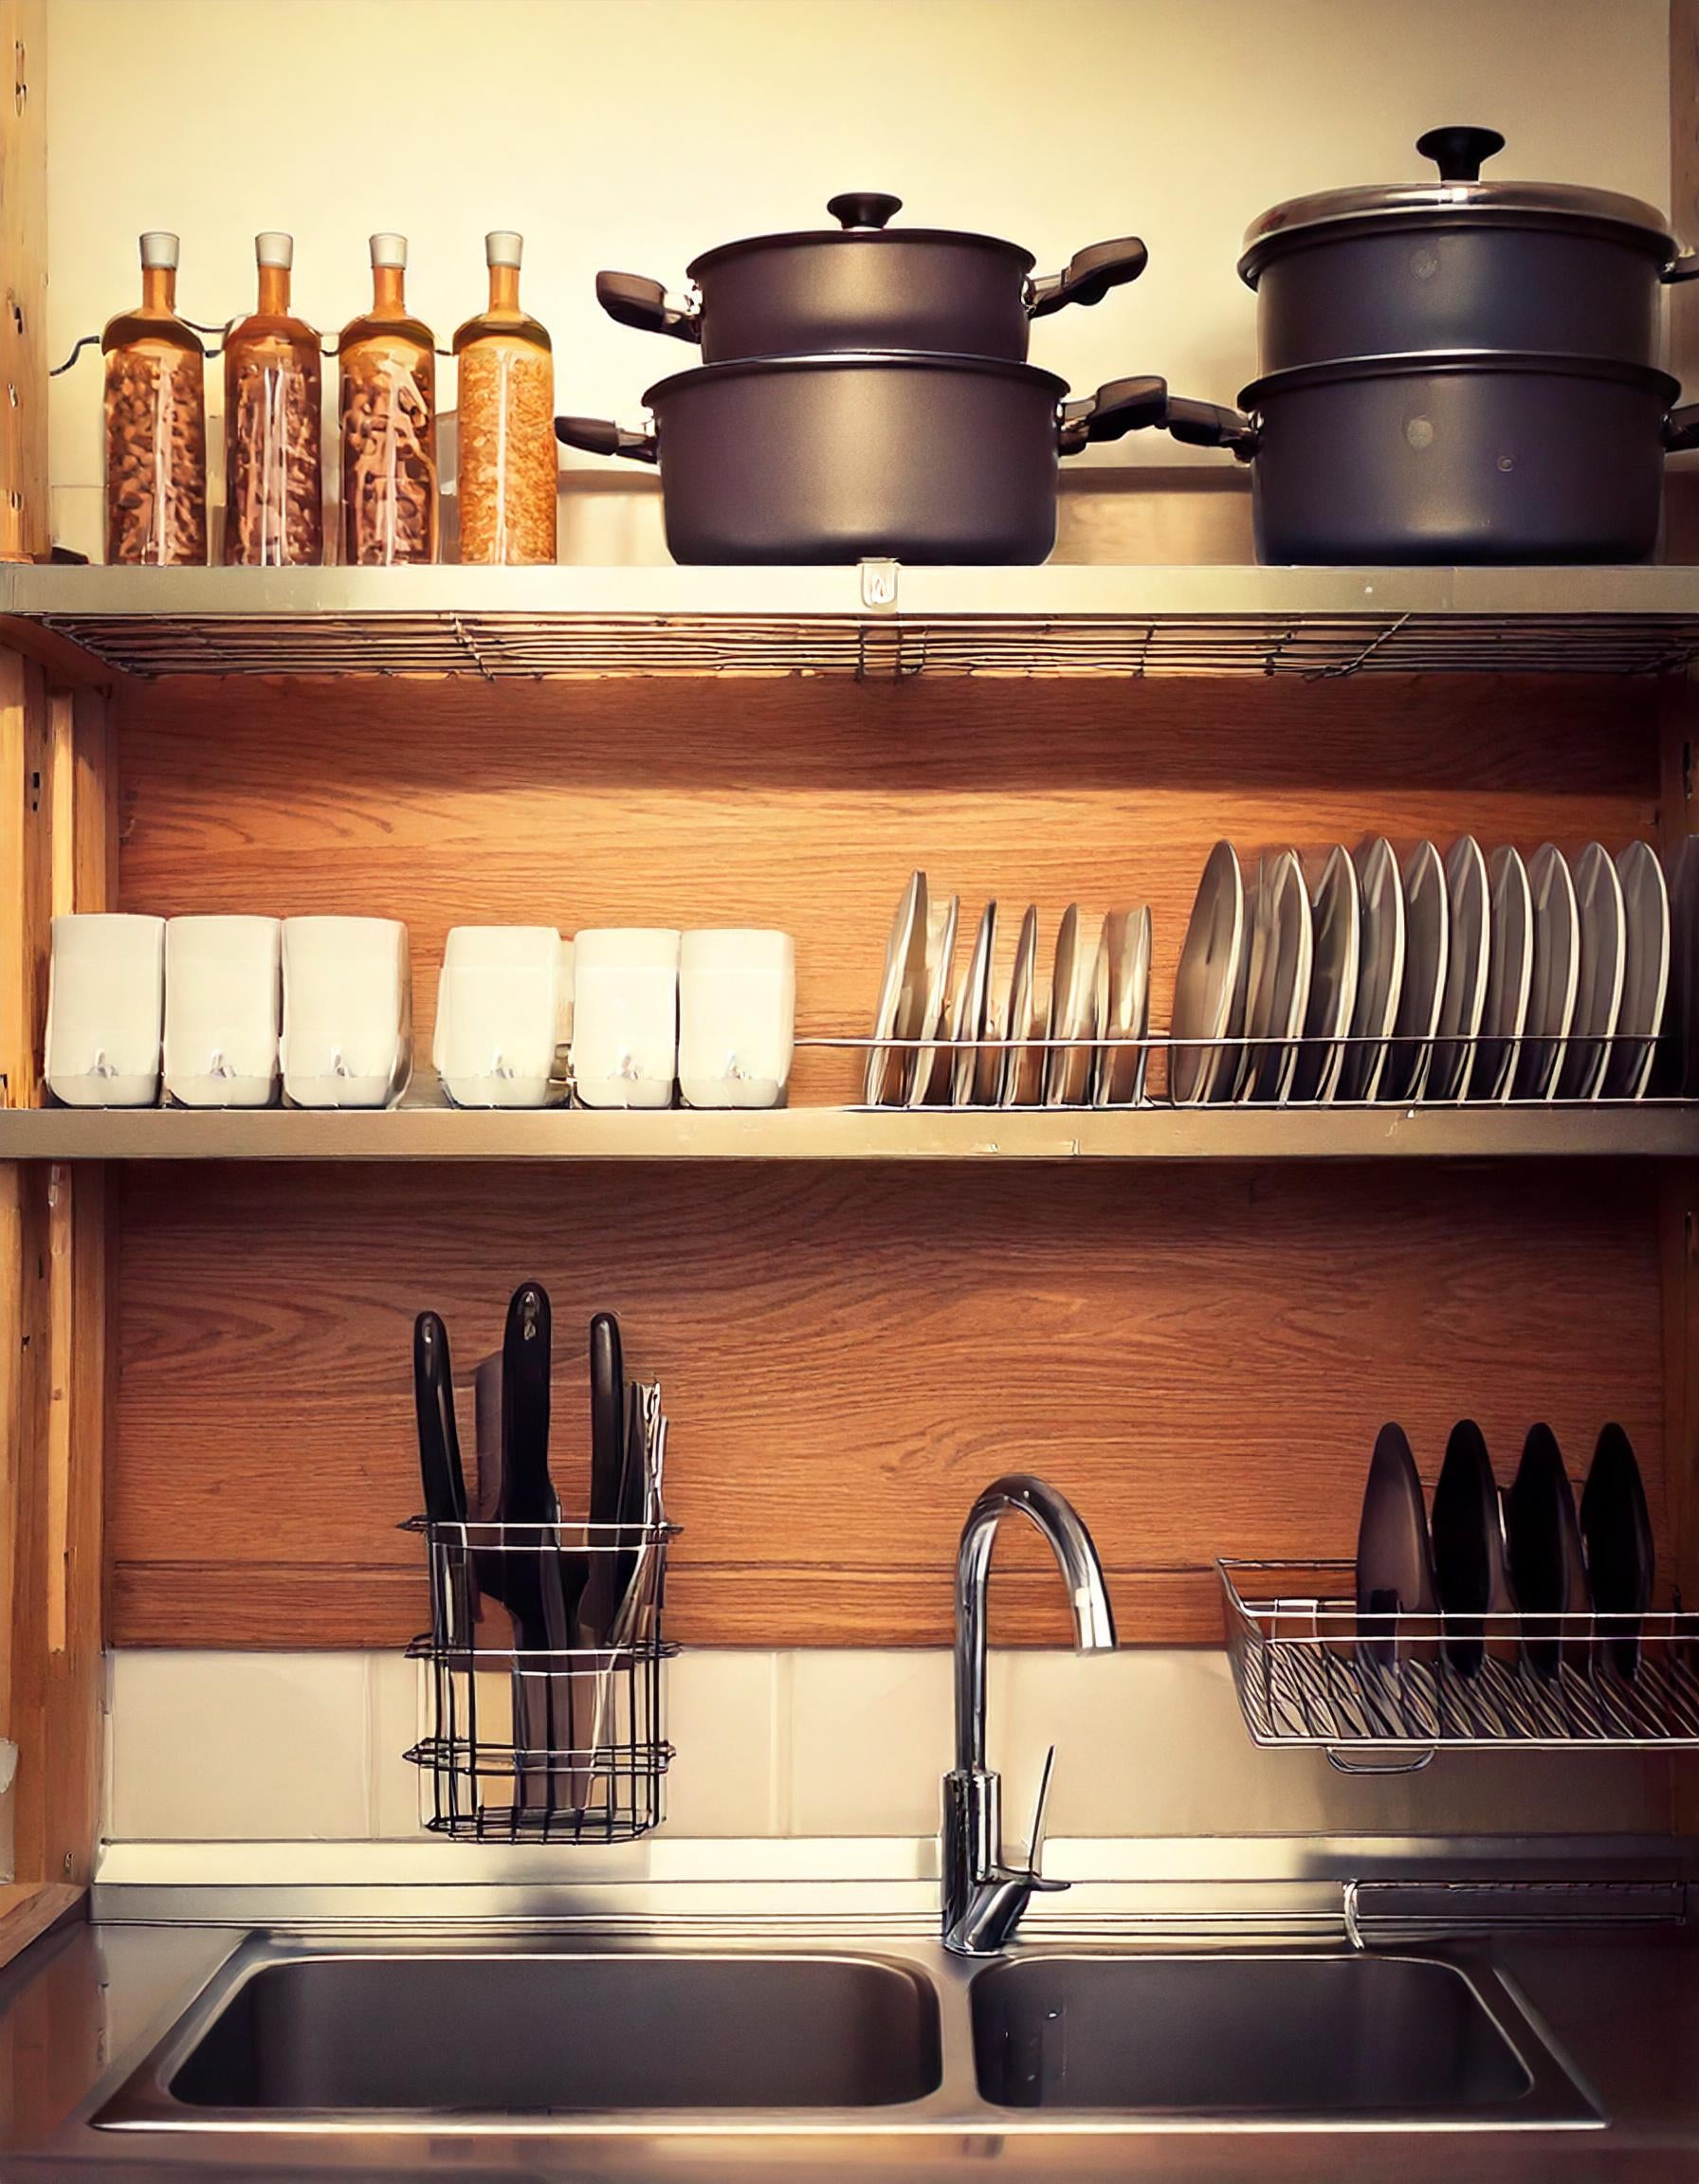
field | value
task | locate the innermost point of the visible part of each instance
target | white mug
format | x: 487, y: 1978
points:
x: 347, y: 1011
x: 497, y: 1014
x: 107, y: 1009
x: 222, y: 991
x: 737, y: 1017
x: 625, y: 1016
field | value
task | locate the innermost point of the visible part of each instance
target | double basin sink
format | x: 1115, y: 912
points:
x: 537, y: 2037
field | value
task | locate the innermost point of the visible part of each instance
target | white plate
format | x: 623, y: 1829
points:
x: 1208, y: 978
x: 902, y: 995
x: 1124, y: 978
x: 1599, y: 990
x: 968, y: 1023
x: 1279, y: 994
x: 1072, y: 1014
x: 1468, y: 893
x: 1509, y: 976
x: 1681, y: 1013
x: 1557, y: 972
x: 1380, y: 969
x: 931, y: 1079
x: 1427, y: 953
x: 1022, y: 1062
x: 1646, y: 972
x: 1336, y: 929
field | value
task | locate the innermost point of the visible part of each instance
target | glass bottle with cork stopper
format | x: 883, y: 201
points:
x: 508, y: 464
x: 389, y: 423
x: 155, y: 414
x: 274, y: 491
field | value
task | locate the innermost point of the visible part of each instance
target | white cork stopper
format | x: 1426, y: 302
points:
x: 389, y: 249
x: 272, y: 248
x: 159, y: 248
x: 501, y: 247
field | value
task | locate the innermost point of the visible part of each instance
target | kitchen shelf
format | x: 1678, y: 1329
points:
x: 877, y: 621
x: 1654, y: 1129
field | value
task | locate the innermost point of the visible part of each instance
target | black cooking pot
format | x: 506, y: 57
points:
x: 925, y: 458
x: 1451, y: 459
x: 1459, y: 263
x: 861, y: 286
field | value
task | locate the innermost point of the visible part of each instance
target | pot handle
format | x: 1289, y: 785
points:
x: 645, y: 305
x: 601, y: 436
x: 1681, y: 430
x: 1087, y: 277
x: 1685, y: 267
x: 1210, y: 425
x: 1118, y: 407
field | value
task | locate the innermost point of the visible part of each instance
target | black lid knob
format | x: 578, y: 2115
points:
x: 863, y: 209
x: 1458, y: 151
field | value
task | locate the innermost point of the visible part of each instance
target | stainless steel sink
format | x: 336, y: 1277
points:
x: 353, y: 2036
x: 1321, y: 2038
x: 422, y: 2033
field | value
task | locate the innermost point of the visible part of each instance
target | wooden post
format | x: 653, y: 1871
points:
x: 57, y: 853
x: 23, y: 504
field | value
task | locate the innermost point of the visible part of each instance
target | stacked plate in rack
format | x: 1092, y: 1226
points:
x: 1466, y: 975
x: 991, y: 1018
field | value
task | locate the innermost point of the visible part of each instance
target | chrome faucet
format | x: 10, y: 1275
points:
x: 983, y: 1898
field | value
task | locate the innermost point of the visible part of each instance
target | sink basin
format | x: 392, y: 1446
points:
x: 1317, y: 2038
x: 522, y: 2034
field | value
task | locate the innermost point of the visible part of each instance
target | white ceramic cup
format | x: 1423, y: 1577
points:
x: 625, y: 1016
x: 223, y: 995
x: 347, y: 1011
x: 497, y: 1014
x: 105, y: 1010
x: 737, y: 1017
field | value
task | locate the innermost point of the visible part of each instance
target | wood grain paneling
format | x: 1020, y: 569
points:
x: 23, y: 279
x: 805, y: 804
x: 1200, y: 1356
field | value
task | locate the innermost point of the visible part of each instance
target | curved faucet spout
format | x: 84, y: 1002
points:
x: 1061, y: 1524
x: 983, y: 1898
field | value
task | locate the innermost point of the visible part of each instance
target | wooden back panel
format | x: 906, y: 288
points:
x: 1200, y: 1356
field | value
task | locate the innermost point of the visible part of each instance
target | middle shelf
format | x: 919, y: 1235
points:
x: 424, y: 1129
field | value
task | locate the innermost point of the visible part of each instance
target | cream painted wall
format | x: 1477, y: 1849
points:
x: 637, y: 135
x: 262, y: 1746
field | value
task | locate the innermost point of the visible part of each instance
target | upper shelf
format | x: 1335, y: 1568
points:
x: 877, y: 621
x: 432, y: 1132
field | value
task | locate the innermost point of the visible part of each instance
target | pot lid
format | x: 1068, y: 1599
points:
x: 862, y: 216
x: 1457, y: 192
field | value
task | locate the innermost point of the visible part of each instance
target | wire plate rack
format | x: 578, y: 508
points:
x: 1383, y: 1693
x: 543, y: 1744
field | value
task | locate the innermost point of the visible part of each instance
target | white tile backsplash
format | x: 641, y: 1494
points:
x: 255, y: 1746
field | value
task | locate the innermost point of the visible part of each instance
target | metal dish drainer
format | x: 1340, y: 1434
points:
x: 1384, y: 1693
x: 552, y: 1744
x: 1665, y: 1089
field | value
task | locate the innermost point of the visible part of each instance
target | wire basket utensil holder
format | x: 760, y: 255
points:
x: 544, y: 1743
x: 1383, y: 1693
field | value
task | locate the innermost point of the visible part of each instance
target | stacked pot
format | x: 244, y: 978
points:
x: 1455, y: 370
x: 864, y: 392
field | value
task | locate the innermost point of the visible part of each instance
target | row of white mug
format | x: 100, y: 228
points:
x: 221, y: 1010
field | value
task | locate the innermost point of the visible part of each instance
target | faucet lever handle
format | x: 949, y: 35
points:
x: 1035, y: 1854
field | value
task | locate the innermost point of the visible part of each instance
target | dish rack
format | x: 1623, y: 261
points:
x: 543, y: 1744
x: 1148, y: 1047
x: 1384, y: 1693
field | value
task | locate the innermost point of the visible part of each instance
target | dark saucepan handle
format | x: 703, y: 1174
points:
x: 601, y: 436
x: 636, y: 302
x: 1685, y: 267
x: 1087, y: 277
x: 1121, y: 406
x: 1681, y: 429
x: 1210, y: 425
